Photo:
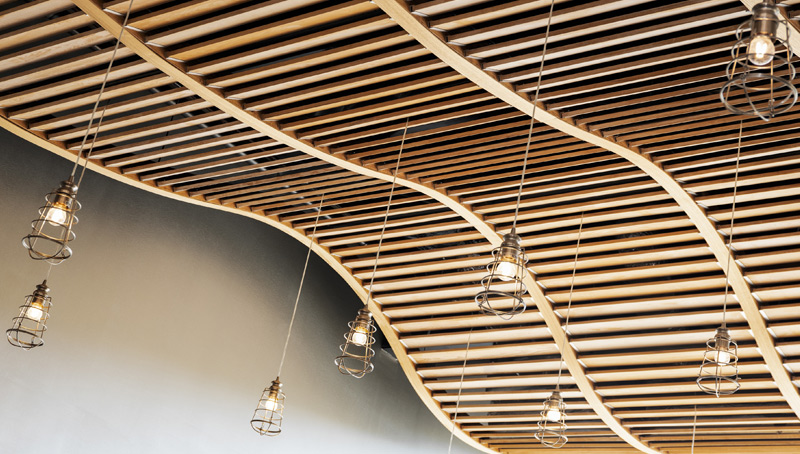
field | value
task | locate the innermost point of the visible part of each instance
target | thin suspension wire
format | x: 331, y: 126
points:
x: 91, y: 147
x: 49, y: 269
x: 300, y: 290
x: 733, y: 215
x: 569, y: 304
x: 386, y: 216
x: 102, y: 89
x: 533, y: 118
x: 460, y: 387
x: 694, y: 427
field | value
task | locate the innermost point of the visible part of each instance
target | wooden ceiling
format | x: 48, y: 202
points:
x: 261, y: 107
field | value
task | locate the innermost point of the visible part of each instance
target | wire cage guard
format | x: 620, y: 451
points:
x: 552, y: 427
x: 760, y: 72
x: 268, y: 416
x: 357, y: 351
x: 52, y: 231
x: 503, y: 289
x: 719, y: 374
x: 29, y: 326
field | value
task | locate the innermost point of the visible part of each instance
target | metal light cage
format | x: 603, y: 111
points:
x: 29, y: 326
x: 762, y: 90
x: 719, y: 374
x: 552, y: 426
x: 52, y: 231
x: 503, y: 289
x: 357, y: 351
x: 268, y: 416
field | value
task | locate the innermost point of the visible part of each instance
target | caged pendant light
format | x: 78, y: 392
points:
x: 53, y: 230
x: 29, y: 326
x: 357, y: 350
x: 503, y: 288
x: 268, y: 416
x: 552, y: 426
x: 761, y: 71
x: 719, y: 373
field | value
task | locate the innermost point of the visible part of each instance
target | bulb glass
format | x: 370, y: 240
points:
x: 761, y: 50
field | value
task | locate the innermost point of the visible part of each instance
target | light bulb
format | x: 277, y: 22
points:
x: 35, y: 311
x: 359, y: 336
x: 56, y: 215
x: 761, y: 50
x: 553, y: 415
x: 506, y: 271
x: 271, y: 404
x: 722, y: 357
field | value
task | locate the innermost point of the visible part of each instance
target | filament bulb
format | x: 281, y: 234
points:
x: 35, y: 311
x: 722, y: 357
x: 271, y: 404
x: 359, y: 336
x: 57, y: 214
x: 761, y: 50
x: 506, y: 271
x: 553, y: 415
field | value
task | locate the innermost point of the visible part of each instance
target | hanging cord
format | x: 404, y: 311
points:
x: 460, y: 387
x: 386, y: 217
x: 302, y: 279
x: 730, y: 235
x: 694, y: 427
x: 533, y: 119
x: 569, y: 304
x: 91, y: 147
x: 100, y: 94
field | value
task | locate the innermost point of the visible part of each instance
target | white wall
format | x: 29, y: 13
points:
x: 167, y: 324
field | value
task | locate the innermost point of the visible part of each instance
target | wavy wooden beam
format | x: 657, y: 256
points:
x: 398, y: 10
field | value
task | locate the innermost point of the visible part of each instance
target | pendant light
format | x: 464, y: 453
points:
x: 29, y: 326
x: 761, y: 71
x: 552, y: 426
x: 503, y: 288
x: 719, y: 373
x: 52, y: 231
x: 268, y: 416
x: 357, y: 351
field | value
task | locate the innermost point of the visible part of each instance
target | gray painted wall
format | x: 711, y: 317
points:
x: 167, y: 324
